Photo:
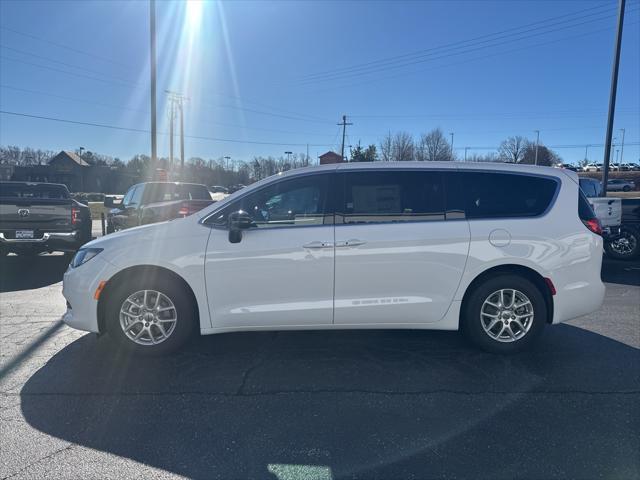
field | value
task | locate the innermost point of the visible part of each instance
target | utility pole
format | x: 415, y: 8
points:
x: 172, y: 116
x: 181, y: 142
x: 465, y: 153
x: 537, y: 144
x: 344, y: 131
x: 612, y: 97
x: 177, y: 100
x: 451, y: 145
x: 621, y: 147
x: 586, y: 154
x: 307, y: 154
x: 152, y: 29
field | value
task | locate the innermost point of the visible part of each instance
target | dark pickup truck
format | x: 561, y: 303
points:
x: 41, y: 217
x: 155, y: 202
x: 626, y: 246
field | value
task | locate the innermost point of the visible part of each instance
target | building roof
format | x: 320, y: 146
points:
x: 72, y: 156
x: 330, y: 154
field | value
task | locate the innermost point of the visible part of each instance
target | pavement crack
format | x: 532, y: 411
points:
x: 46, y: 457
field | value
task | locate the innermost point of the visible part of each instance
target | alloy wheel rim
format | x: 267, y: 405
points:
x: 506, y: 315
x: 624, y: 245
x: 148, y: 317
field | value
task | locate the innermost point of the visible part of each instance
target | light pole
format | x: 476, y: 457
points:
x: 152, y: 52
x: 537, y: 143
x: 465, y: 153
x: 288, y: 154
x: 226, y: 162
x: 621, y: 147
x: 451, y: 133
x: 586, y: 154
x: 612, y: 96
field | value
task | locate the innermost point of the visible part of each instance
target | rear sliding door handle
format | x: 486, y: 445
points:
x: 353, y: 242
x: 318, y: 244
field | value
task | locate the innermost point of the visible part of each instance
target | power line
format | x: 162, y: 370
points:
x: 24, y: 52
x: 141, y: 130
x: 141, y: 110
x: 359, y: 71
x: 66, y: 47
x: 100, y: 79
x: 525, y: 47
x: 448, y: 45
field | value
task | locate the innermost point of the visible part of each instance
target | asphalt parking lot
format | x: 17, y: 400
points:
x: 317, y: 405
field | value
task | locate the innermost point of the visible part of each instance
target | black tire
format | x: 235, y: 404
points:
x: 184, y: 305
x: 471, y: 324
x: 626, y: 188
x: 626, y: 246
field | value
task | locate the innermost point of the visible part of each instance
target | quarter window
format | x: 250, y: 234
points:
x: 500, y: 195
x: 287, y: 203
x: 391, y: 196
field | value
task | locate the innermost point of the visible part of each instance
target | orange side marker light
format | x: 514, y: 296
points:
x: 101, y: 286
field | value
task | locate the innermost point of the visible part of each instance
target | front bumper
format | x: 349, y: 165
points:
x: 78, y: 288
x: 54, y: 241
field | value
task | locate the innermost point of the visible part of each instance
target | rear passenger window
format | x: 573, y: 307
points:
x: 500, y: 195
x: 402, y: 196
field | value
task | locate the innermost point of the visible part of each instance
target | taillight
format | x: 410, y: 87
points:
x: 594, y: 225
x: 75, y: 215
x: 185, y: 210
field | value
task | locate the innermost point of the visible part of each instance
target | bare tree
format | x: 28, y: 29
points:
x: 513, y: 149
x: 546, y: 156
x: 433, y: 146
x: 403, y: 147
x: 386, y: 148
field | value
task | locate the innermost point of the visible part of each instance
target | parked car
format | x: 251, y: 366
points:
x: 496, y: 250
x: 626, y: 246
x: 607, y: 209
x: 592, y: 167
x: 153, y: 202
x: 218, y: 193
x: 569, y: 166
x: 235, y: 188
x: 620, y: 185
x: 41, y: 217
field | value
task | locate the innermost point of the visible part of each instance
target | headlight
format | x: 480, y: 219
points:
x: 84, y: 255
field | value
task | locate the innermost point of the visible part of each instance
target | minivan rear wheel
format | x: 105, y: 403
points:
x: 504, y: 314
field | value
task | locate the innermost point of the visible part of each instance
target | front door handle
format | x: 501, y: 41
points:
x: 353, y: 242
x: 318, y: 244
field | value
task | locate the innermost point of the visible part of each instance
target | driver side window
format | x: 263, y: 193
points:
x: 287, y: 203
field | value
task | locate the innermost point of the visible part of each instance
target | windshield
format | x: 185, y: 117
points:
x: 167, y: 192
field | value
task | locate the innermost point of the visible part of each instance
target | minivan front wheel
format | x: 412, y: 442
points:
x: 504, y: 314
x: 151, y: 317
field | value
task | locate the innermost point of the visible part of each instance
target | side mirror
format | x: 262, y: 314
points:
x: 238, y: 221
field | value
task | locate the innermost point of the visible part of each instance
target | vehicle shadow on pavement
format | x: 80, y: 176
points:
x: 26, y: 273
x: 356, y: 404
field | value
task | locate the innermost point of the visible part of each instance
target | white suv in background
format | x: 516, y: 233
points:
x: 495, y: 250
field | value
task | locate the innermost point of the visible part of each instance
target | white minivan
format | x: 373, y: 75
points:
x: 497, y: 251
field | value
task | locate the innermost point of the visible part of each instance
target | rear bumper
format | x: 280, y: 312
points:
x: 58, y: 241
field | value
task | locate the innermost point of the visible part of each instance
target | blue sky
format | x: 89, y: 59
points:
x: 275, y: 76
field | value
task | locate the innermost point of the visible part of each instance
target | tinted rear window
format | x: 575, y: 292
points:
x: 391, y: 196
x: 17, y: 190
x: 160, y: 192
x: 585, y: 212
x: 499, y: 195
